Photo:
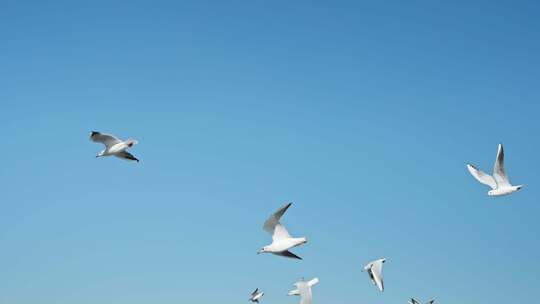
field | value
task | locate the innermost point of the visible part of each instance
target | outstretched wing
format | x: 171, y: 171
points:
x: 498, y: 168
x: 430, y: 301
x: 376, y: 273
x: 107, y: 139
x: 288, y: 254
x: 254, y: 292
x: 280, y: 233
x: 414, y: 301
x: 482, y: 177
x: 313, y: 282
x: 294, y: 292
x: 272, y: 224
x: 304, y: 290
x: 126, y: 155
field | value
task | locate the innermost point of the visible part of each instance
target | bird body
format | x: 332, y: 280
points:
x: 117, y: 148
x: 281, y: 245
x: 504, y: 190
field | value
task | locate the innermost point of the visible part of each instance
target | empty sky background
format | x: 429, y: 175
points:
x: 362, y: 114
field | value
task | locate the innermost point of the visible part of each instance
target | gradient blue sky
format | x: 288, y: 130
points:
x: 363, y: 114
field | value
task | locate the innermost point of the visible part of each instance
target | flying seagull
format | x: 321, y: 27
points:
x: 296, y: 292
x: 281, y: 240
x: 414, y: 301
x: 499, y: 182
x: 114, y: 146
x: 256, y: 295
x: 303, y: 289
x: 374, y: 269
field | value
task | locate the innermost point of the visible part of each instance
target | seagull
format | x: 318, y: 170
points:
x: 114, y: 146
x: 499, y: 183
x: 281, y: 240
x: 256, y: 295
x: 374, y: 269
x: 296, y: 292
x: 303, y: 289
x: 414, y: 301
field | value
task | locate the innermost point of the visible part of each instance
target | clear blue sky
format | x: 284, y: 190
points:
x: 361, y: 113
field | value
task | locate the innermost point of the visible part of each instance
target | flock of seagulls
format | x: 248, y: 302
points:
x: 283, y: 242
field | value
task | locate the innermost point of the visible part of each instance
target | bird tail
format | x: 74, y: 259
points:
x: 131, y: 142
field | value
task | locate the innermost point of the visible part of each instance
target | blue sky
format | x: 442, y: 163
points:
x: 362, y: 114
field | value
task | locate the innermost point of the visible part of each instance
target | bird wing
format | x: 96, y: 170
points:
x: 313, y: 282
x: 280, y: 233
x: 126, y: 155
x: 430, y: 301
x: 294, y: 292
x: 272, y: 224
x: 498, y: 168
x: 107, y: 139
x: 305, y: 292
x: 254, y: 292
x: 288, y: 254
x: 414, y: 301
x: 482, y: 177
x: 376, y: 272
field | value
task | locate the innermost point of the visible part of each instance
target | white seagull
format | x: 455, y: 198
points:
x: 281, y: 239
x: 296, y: 292
x: 415, y: 301
x: 374, y: 269
x: 303, y: 289
x: 256, y: 295
x: 499, y: 182
x: 114, y: 146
